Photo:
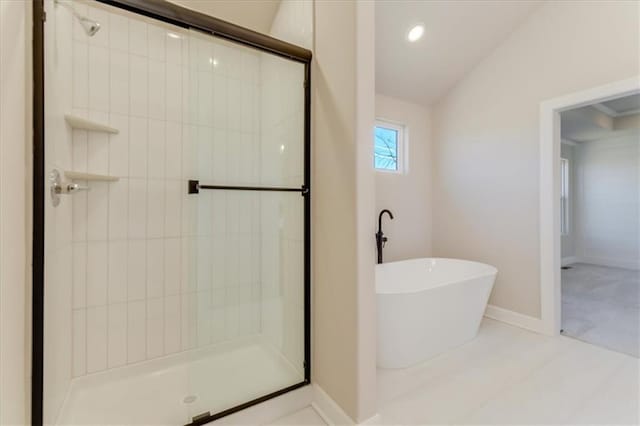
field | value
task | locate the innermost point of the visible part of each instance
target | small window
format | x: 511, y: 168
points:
x: 564, y: 196
x: 388, y: 144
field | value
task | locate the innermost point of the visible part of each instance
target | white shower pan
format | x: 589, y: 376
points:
x: 173, y: 389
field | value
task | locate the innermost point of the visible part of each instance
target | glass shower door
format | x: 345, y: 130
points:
x: 246, y: 206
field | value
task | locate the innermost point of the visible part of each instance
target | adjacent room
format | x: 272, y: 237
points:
x: 600, y: 224
x: 472, y: 120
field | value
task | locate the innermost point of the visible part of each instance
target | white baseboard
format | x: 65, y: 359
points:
x: 373, y: 420
x: 613, y: 263
x: 514, y: 318
x: 332, y: 413
x: 569, y: 260
x: 328, y: 409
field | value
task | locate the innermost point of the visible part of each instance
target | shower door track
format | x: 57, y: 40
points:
x: 164, y: 11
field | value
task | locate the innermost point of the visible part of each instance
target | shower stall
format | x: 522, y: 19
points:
x: 171, y: 215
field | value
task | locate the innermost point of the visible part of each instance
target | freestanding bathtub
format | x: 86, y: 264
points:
x: 428, y: 306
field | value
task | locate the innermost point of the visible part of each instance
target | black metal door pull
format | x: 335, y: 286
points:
x: 195, y: 186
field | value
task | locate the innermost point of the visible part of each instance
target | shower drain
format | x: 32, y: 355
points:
x: 189, y: 399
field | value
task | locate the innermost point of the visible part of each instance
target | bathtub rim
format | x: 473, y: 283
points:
x: 490, y: 271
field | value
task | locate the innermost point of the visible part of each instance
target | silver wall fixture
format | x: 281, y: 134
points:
x: 57, y: 187
x: 90, y: 27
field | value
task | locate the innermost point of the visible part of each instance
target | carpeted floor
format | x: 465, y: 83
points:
x: 601, y: 306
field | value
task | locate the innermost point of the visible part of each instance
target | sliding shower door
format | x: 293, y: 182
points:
x: 171, y: 236
x: 244, y: 158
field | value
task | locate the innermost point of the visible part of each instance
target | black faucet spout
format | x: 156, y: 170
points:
x: 380, y: 238
x: 380, y: 218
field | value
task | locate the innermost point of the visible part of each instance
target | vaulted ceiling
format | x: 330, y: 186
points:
x: 458, y: 35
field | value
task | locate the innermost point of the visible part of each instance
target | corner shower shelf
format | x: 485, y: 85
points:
x: 85, y: 124
x: 90, y: 176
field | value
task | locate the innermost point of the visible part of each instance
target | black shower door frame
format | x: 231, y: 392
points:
x: 164, y: 11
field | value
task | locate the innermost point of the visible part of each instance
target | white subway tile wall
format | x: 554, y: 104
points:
x: 157, y: 271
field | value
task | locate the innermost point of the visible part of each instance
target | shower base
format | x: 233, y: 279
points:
x: 172, y: 390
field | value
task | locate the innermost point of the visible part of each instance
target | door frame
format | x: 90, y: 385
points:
x: 164, y: 11
x: 38, y: 214
x: 550, y: 142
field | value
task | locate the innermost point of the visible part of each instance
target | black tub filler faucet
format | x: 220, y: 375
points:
x: 380, y: 238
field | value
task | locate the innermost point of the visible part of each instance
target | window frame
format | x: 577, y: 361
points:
x: 565, y: 196
x: 401, y: 150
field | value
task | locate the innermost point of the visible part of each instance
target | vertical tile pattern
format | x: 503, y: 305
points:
x: 117, y: 272
x: 117, y: 335
x: 156, y: 271
x: 79, y: 342
x: 136, y: 331
x: 96, y: 338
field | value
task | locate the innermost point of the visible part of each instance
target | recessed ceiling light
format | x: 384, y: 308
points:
x: 415, y: 33
x: 173, y: 35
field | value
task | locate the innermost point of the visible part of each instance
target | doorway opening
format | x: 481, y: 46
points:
x: 590, y: 226
x: 599, y: 223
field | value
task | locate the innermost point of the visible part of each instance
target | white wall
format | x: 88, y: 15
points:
x: 486, y: 140
x: 15, y: 113
x: 293, y: 22
x: 365, y: 307
x: 256, y: 15
x: 606, y: 208
x: 407, y: 195
x: 342, y: 202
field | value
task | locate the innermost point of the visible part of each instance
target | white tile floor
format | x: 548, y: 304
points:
x: 601, y: 305
x: 510, y: 376
x: 153, y: 393
x: 505, y: 376
x: 305, y: 417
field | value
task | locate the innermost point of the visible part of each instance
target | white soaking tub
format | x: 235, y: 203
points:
x: 428, y: 306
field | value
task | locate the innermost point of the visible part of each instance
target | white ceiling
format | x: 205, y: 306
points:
x: 621, y: 107
x: 458, y: 35
x: 602, y: 120
x: 256, y: 15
